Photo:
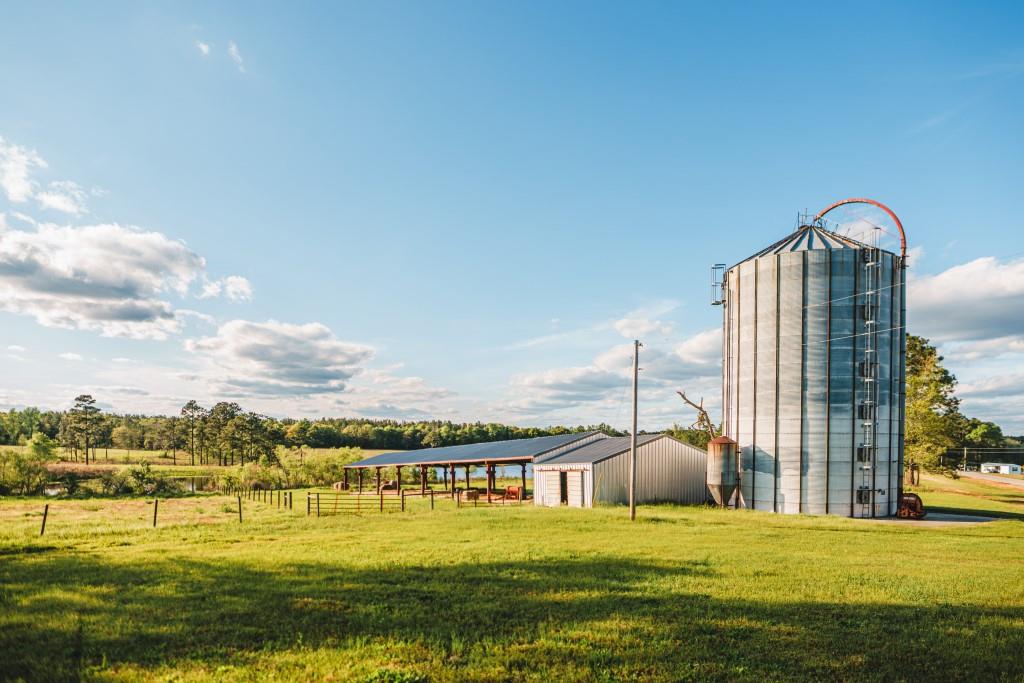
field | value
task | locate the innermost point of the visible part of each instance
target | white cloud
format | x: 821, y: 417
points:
x: 16, y: 348
x: 16, y: 165
x: 234, y: 288
x: 274, y: 358
x: 236, y: 56
x: 70, y: 356
x: 63, y: 195
x: 106, y: 278
x: 204, y: 48
x: 643, y: 322
x: 379, y: 393
x: 121, y: 359
x: 599, y: 390
x: 974, y: 301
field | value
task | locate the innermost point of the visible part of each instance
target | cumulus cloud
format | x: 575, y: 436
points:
x: 204, y: 48
x: 16, y: 166
x: 973, y: 301
x: 63, y: 195
x: 236, y: 56
x: 70, y: 356
x: 644, y: 322
x: 275, y: 358
x: 602, y: 385
x: 105, y: 278
x: 16, y: 348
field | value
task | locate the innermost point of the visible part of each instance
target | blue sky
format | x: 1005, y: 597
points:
x: 466, y: 210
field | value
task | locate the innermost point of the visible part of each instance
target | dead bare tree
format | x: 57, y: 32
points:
x: 703, y: 422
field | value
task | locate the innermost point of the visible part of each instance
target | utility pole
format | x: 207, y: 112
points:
x: 632, y: 437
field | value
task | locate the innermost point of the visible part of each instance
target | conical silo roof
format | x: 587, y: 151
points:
x: 809, y: 238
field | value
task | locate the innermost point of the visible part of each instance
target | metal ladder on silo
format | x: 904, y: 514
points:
x: 867, y: 410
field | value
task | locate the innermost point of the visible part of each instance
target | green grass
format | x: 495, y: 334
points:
x: 944, y: 494
x: 505, y: 594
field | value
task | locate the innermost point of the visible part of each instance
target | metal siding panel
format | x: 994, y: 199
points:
x: 790, y: 389
x: 841, y: 382
x: 814, y: 467
x: 671, y: 472
x: 744, y: 384
x: 766, y: 396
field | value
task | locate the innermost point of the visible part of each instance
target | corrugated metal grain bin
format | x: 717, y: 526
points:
x: 814, y: 351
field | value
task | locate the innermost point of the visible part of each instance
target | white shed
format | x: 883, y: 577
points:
x: 999, y: 468
x: 667, y: 470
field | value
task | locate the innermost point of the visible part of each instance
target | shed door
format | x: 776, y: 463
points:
x: 575, y: 490
x: 552, y: 489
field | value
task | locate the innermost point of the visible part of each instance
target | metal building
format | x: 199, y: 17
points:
x: 814, y: 367
x: 667, y: 470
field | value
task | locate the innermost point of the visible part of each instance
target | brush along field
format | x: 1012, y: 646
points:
x: 518, y: 593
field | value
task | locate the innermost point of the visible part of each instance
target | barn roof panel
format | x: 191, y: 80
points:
x: 597, y: 451
x: 514, y: 449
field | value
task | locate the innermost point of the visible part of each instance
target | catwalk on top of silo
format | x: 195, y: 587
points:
x: 813, y: 368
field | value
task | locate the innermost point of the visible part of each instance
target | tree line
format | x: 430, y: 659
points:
x: 226, y: 434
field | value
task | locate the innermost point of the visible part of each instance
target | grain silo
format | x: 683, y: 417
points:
x: 813, y: 369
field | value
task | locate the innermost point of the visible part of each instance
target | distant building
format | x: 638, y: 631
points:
x: 999, y: 468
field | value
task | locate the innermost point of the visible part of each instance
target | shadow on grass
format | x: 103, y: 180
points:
x: 582, y: 618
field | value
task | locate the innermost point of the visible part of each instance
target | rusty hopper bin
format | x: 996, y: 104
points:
x: 722, y: 472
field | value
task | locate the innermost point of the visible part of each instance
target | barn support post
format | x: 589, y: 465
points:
x: 378, y: 479
x: 423, y: 480
x: 445, y: 471
x: 398, y: 479
x: 467, y: 477
x: 489, y: 468
x: 453, y: 480
x: 522, y: 491
x: 344, y: 484
x: 359, y: 476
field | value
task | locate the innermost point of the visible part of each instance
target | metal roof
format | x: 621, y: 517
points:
x: 491, y: 451
x: 596, y: 451
x: 809, y: 238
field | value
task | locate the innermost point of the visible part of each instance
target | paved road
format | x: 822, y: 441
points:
x: 1002, y: 479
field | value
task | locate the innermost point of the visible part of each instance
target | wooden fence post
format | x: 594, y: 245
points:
x: 46, y: 511
x: 307, y: 503
x: 403, y: 501
x: 156, y: 506
x: 381, y: 501
x: 317, y: 503
x: 431, y: 499
x: 239, y: 509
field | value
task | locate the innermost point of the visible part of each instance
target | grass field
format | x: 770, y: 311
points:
x: 508, y: 594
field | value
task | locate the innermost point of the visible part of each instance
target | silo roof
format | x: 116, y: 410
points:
x: 810, y: 238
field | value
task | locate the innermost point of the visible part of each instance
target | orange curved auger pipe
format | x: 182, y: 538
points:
x: 883, y: 207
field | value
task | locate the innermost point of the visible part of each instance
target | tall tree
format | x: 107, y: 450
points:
x: 86, y: 415
x: 933, y: 410
x: 192, y: 412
